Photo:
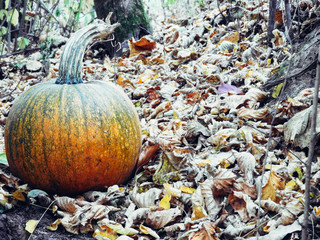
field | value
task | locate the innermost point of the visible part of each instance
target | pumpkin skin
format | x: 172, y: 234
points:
x: 70, y: 138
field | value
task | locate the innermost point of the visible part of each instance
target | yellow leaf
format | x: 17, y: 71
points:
x: 187, y: 189
x: 197, y: 213
x: 54, y: 225
x: 140, y: 81
x: 277, y: 90
x: 54, y: 208
x: 266, y: 229
x: 165, y: 201
x: 268, y: 61
x: 148, y: 231
x: 291, y: 185
x: 103, y: 235
x: 118, y: 228
x: 31, y: 225
x: 224, y: 163
x: 317, y: 210
x: 19, y: 195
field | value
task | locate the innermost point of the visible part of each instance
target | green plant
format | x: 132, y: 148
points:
x: 68, y: 137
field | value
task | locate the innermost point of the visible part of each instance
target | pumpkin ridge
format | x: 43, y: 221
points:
x: 20, y: 122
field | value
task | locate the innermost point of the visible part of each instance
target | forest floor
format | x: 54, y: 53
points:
x: 196, y: 83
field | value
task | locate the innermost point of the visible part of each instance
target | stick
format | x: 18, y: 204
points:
x: 311, y: 152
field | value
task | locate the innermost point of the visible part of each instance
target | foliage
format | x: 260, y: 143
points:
x: 25, y: 22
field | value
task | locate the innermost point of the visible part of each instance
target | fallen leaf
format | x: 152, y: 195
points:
x: 118, y: 228
x: 245, y: 113
x: 31, y: 225
x: 141, y: 45
x: 54, y: 226
x: 225, y: 88
x: 160, y: 218
x: 67, y: 204
x: 165, y: 201
x: 171, y: 190
x: 234, y: 38
x: 206, y: 232
x: 148, y: 231
x: 274, y: 183
x: 197, y: 213
x: 187, y: 189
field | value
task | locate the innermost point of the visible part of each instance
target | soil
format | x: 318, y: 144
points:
x: 13, y: 222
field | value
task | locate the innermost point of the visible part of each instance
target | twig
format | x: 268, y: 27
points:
x: 43, y: 6
x: 272, y: 138
x: 220, y: 12
x: 271, y: 124
x: 19, y: 52
x: 30, y: 237
x: 311, y: 154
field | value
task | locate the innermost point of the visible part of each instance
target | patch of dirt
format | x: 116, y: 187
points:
x: 13, y: 222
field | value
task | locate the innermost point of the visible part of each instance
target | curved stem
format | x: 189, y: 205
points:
x: 71, y: 60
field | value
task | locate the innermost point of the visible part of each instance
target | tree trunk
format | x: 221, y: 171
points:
x: 129, y: 13
x: 272, y: 15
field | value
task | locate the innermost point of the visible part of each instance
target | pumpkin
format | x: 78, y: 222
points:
x: 71, y: 136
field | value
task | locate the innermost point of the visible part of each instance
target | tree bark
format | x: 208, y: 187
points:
x: 129, y: 13
x: 272, y: 15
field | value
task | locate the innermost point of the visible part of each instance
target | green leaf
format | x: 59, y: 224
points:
x: 14, y: 17
x: 3, y: 30
x: 3, y: 14
x: 137, y: 104
x: 3, y: 159
x: 300, y: 173
x: 6, y: 4
x: 22, y: 42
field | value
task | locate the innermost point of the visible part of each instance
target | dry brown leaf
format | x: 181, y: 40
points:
x: 146, y: 154
x: 243, y: 205
x: 274, y: 183
x: 246, y: 162
x: 222, y: 137
x: 253, y: 96
x: 245, y: 188
x: 141, y: 45
x: 145, y: 199
x: 207, y: 232
x: 152, y: 95
x: 222, y: 182
x: 121, y: 81
x: 81, y: 219
x: 234, y: 38
x: 67, y: 204
x: 270, y: 205
x: 192, y: 98
x: 245, y: 113
x: 160, y: 218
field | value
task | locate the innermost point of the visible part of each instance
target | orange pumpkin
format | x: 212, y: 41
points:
x: 72, y: 136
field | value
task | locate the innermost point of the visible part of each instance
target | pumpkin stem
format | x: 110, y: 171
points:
x: 71, y: 60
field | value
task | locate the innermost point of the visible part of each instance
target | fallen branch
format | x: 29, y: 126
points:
x: 311, y: 153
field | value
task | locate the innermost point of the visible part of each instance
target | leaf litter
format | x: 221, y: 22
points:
x: 205, y: 126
